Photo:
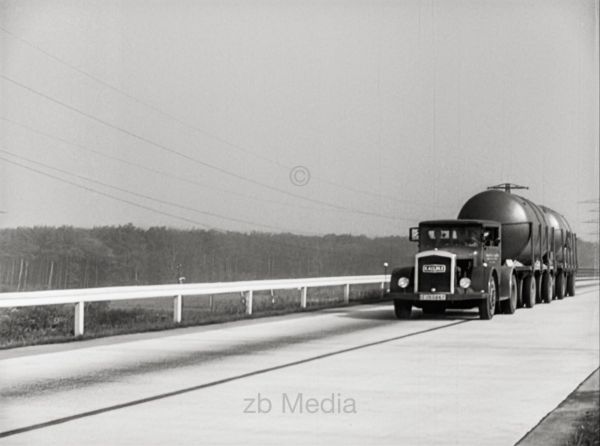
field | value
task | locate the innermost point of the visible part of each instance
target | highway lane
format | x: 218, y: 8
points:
x: 442, y: 380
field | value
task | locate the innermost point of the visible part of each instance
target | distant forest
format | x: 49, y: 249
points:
x: 66, y: 257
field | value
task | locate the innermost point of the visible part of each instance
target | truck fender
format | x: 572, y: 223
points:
x: 506, y: 277
x: 407, y: 271
x: 479, y: 279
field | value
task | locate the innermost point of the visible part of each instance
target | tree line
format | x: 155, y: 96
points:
x: 41, y: 257
x: 37, y: 258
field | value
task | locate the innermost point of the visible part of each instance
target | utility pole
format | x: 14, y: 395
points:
x: 383, y: 287
x: 178, y: 300
x: 180, y: 276
x: 595, y: 232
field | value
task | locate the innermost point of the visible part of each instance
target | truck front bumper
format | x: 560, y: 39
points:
x: 417, y: 298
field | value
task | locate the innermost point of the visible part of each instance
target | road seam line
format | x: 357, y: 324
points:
x: 149, y: 399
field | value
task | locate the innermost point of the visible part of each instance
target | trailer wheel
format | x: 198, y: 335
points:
x: 546, y: 291
x: 538, y: 289
x: 402, y: 309
x: 487, y: 307
x: 571, y: 284
x: 509, y: 306
x: 529, y: 291
x: 561, y: 285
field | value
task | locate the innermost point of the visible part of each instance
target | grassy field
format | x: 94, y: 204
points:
x: 54, y: 323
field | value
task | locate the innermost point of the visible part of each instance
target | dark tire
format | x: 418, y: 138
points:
x: 487, y: 307
x: 509, y: 306
x: 529, y: 291
x: 546, y: 291
x: 403, y: 310
x: 520, y: 302
x: 434, y: 308
x: 561, y: 285
x: 571, y: 284
x: 538, y: 289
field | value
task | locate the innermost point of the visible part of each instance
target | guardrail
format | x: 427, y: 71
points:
x: 79, y: 297
x: 587, y: 273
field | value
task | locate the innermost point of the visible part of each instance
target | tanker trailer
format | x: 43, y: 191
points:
x: 564, y: 247
x: 536, y: 240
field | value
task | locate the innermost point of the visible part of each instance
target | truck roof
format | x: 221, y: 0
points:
x: 461, y: 222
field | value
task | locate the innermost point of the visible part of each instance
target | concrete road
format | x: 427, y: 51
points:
x: 345, y: 376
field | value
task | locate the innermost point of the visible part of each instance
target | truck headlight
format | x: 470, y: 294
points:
x: 465, y: 282
x: 403, y: 282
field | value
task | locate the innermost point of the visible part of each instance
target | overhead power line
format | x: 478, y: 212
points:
x: 197, y: 129
x: 166, y: 174
x: 96, y: 191
x: 158, y: 211
x: 590, y: 201
x: 147, y: 197
x: 191, y: 158
x: 139, y: 101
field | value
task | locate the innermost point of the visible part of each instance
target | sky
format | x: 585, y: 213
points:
x: 311, y: 117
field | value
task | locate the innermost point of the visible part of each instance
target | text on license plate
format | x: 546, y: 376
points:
x: 433, y: 297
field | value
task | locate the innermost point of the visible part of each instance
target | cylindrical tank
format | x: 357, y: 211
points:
x: 562, y: 231
x: 521, y: 221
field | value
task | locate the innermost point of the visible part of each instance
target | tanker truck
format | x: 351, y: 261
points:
x: 501, y: 252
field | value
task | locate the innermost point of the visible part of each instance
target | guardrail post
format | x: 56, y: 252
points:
x: 303, y: 297
x: 177, y: 306
x: 78, y: 325
x: 248, y: 297
x: 346, y: 293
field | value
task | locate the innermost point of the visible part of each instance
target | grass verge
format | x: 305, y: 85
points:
x: 587, y: 432
x: 54, y: 323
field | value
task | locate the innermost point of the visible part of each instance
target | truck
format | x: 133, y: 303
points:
x: 502, y: 252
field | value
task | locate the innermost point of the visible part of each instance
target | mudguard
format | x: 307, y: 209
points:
x: 506, y: 278
x: 407, y: 271
x: 479, y: 279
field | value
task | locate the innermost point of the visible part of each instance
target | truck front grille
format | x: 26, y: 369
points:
x: 434, y: 274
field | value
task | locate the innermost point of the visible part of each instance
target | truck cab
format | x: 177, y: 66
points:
x: 458, y: 265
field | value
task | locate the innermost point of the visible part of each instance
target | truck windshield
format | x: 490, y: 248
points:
x: 436, y: 237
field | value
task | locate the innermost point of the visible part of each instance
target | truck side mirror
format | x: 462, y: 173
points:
x: 413, y: 235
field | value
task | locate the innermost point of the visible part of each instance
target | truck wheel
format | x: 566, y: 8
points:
x: 571, y: 284
x: 520, y: 302
x: 529, y: 291
x: 538, y: 289
x: 434, y: 308
x: 561, y: 285
x: 509, y: 306
x: 546, y: 291
x: 488, y: 306
x: 402, y: 309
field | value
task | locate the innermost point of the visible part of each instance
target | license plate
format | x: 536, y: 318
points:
x: 433, y: 297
